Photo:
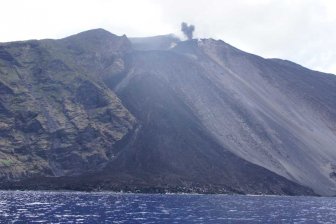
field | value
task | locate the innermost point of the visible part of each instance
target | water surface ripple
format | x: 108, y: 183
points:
x: 105, y: 207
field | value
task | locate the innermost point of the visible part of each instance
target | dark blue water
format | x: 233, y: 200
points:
x: 74, y: 207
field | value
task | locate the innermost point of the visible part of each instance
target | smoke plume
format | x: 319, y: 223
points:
x: 187, y: 30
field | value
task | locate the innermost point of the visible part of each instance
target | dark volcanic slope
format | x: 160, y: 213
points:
x: 96, y: 112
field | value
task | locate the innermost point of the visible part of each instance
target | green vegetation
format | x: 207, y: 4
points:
x: 6, y: 162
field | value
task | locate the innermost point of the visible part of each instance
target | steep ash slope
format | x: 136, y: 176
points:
x: 272, y: 113
x: 172, y: 147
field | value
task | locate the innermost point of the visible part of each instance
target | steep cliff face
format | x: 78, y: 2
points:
x: 57, y: 117
x: 96, y: 110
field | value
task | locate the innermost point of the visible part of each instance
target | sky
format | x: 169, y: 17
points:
x: 303, y: 31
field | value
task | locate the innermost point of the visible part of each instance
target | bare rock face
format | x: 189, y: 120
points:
x: 98, y: 111
x: 57, y: 118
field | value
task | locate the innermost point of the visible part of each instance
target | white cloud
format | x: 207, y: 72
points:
x: 299, y: 30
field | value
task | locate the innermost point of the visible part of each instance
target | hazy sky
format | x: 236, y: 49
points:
x: 303, y: 31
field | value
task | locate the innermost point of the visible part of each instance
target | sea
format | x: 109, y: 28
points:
x: 108, y: 207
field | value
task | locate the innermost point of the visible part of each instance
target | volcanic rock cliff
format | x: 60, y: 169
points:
x: 99, y: 111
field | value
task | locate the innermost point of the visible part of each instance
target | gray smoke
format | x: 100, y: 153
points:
x: 187, y: 30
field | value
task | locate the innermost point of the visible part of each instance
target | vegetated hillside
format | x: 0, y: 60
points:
x: 96, y: 111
